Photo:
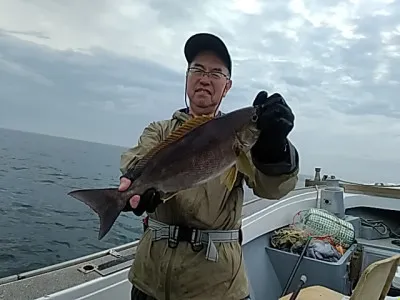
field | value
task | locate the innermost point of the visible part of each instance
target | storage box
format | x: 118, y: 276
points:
x: 332, y: 275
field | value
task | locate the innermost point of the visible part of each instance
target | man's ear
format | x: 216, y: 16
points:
x: 228, y: 86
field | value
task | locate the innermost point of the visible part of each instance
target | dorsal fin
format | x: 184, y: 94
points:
x: 175, y: 135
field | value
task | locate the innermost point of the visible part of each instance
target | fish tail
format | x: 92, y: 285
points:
x: 107, y: 203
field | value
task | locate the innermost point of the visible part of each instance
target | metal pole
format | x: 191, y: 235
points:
x: 296, y: 266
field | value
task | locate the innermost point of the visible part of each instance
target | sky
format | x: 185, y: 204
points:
x: 102, y: 70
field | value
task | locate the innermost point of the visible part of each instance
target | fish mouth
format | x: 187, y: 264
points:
x: 202, y: 90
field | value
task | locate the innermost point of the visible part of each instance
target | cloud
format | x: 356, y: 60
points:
x: 102, y: 71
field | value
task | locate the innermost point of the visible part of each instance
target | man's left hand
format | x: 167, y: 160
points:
x: 276, y: 119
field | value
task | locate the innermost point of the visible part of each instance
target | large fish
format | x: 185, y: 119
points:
x: 203, y: 148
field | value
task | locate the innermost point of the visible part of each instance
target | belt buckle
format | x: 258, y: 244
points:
x: 190, y: 235
x: 185, y: 234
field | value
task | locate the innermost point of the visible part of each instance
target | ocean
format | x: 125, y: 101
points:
x: 40, y: 224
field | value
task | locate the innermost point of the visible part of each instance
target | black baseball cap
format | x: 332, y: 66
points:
x: 207, y: 42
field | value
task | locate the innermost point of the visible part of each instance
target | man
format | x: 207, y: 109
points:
x: 180, y: 261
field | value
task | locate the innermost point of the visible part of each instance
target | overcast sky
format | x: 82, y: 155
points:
x: 102, y: 70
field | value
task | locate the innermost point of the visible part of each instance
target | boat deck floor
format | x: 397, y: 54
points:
x: 52, y: 281
x: 30, y: 286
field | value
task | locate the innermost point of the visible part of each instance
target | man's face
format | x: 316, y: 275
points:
x: 205, y: 91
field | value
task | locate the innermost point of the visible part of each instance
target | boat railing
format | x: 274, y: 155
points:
x: 377, y: 189
x: 68, y: 263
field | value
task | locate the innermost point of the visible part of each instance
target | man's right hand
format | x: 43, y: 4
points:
x: 147, y: 202
x: 124, y: 184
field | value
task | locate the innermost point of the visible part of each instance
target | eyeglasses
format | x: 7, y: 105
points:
x: 213, y: 74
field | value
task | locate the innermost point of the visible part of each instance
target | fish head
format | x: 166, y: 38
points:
x: 244, y: 123
x: 247, y: 136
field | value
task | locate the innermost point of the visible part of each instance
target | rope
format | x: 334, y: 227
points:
x: 293, y: 239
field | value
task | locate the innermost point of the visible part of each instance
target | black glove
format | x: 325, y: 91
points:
x: 148, y: 202
x: 275, y: 121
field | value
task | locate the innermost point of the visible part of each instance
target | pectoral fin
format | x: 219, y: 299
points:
x: 245, y: 166
x: 229, y: 177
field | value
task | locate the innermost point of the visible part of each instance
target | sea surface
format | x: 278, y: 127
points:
x: 39, y: 224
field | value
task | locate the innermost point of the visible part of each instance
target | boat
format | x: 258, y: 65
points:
x: 373, y: 210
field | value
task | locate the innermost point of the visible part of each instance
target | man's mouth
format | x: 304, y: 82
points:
x: 201, y: 90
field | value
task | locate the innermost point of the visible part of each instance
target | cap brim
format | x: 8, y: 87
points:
x: 207, y: 42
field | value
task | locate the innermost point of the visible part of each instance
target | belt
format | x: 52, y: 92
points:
x: 196, y: 237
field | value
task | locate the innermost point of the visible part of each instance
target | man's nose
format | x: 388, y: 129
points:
x: 205, y: 80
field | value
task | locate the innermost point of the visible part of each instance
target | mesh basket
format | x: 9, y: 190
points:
x: 321, y: 223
